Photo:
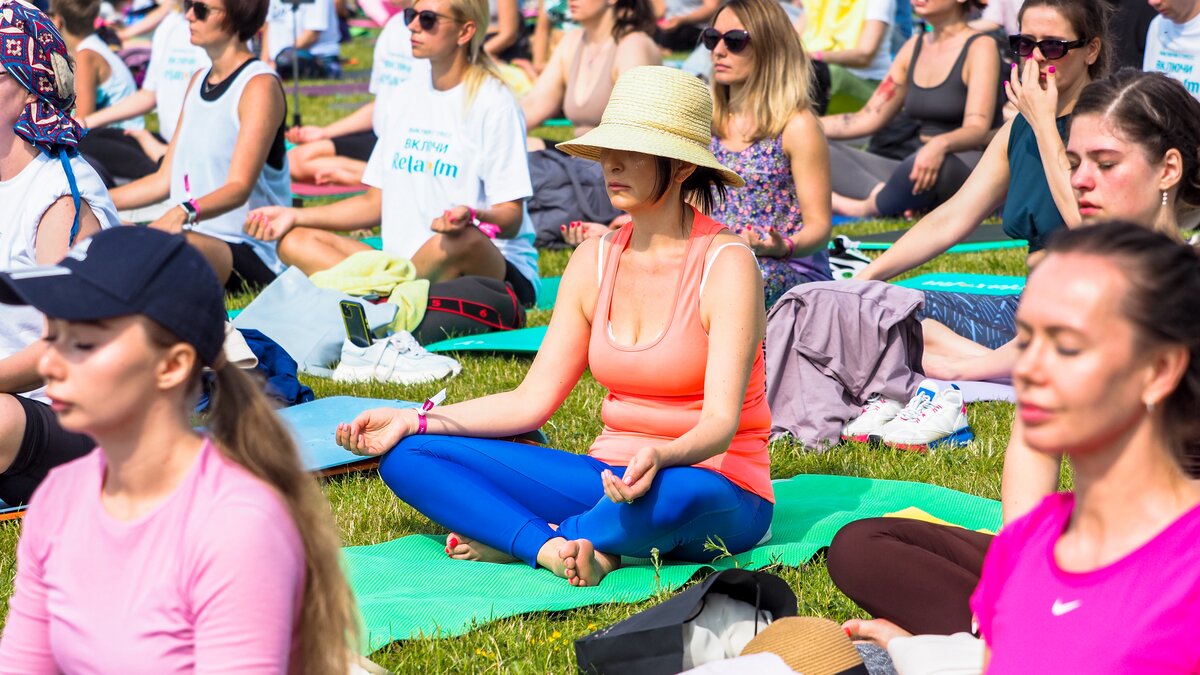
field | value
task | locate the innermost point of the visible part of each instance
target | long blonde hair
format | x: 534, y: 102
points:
x: 481, y: 65
x: 781, y: 81
x: 250, y: 434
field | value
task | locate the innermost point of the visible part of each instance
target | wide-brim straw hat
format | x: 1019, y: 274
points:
x: 809, y: 645
x: 658, y: 111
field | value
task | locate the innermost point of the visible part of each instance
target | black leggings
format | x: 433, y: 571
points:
x: 115, y: 156
x: 856, y: 173
x: 44, y: 445
x: 917, y: 575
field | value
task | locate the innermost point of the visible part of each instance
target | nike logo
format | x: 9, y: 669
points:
x: 1059, y: 608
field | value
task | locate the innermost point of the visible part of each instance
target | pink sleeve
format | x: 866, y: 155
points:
x: 245, y: 588
x: 25, y: 647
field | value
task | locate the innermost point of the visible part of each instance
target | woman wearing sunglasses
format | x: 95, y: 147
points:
x: 947, y: 81
x: 613, y: 36
x: 1132, y: 155
x: 682, y: 459
x: 764, y: 128
x: 1016, y: 164
x: 228, y: 152
x: 448, y: 174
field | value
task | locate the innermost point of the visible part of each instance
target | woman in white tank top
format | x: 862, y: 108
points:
x: 227, y: 156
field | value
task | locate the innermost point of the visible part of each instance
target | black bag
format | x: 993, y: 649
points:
x: 469, y: 306
x: 651, y: 642
x: 565, y: 189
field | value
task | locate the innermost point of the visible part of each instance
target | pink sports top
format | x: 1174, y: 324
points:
x: 656, y: 391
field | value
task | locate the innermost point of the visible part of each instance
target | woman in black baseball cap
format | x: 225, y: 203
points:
x: 166, y: 549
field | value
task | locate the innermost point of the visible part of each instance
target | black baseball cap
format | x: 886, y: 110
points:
x: 123, y: 271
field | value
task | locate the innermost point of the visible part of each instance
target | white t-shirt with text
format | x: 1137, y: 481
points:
x: 393, y: 64
x: 1174, y: 49
x: 434, y: 154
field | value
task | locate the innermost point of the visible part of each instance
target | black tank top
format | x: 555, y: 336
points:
x: 940, y: 109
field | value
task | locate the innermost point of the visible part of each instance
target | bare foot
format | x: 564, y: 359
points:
x: 878, y: 632
x: 583, y: 565
x: 463, y: 548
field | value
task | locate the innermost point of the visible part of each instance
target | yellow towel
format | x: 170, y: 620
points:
x: 918, y: 514
x: 833, y: 25
x: 379, y: 273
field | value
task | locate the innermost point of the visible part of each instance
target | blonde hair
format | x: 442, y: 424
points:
x: 481, y: 65
x: 248, y: 433
x: 780, y: 84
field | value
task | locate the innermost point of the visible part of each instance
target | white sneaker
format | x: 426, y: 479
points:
x: 931, y: 419
x: 876, y: 412
x: 399, y: 359
x: 845, y: 260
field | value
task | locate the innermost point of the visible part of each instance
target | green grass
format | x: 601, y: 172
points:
x: 367, y: 512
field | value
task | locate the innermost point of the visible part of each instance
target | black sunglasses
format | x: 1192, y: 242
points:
x: 1023, y: 45
x: 735, y: 40
x: 200, y: 9
x: 427, y: 18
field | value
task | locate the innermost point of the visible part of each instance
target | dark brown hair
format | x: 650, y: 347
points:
x: 631, y: 16
x: 1154, y: 112
x: 78, y: 16
x: 1163, y: 304
x: 704, y: 188
x: 1089, y: 19
x: 244, y: 17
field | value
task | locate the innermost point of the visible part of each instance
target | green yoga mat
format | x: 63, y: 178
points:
x: 520, y: 341
x: 548, y: 293
x: 988, y: 237
x: 408, y: 588
x: 973, y: 284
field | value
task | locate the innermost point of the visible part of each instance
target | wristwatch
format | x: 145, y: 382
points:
x: 189, y: 207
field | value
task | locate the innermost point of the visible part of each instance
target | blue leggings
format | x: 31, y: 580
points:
x: 506, y: 495
x: 990, y: 320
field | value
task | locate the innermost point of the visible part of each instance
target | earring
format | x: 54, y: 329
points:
x: 1149, y: 406
x: 1164, y: 202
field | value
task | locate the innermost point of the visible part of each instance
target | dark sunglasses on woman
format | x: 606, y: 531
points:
x: 199, y: 9
x: 427, y: 18
x: 735, y: 40
x: 1023, y: 46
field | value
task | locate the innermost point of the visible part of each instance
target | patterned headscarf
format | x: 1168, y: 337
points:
x: 33, y: 52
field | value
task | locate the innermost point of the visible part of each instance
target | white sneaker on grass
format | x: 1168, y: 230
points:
x: 876, y: 412
x: 933, y: 418
x: 398, y: 359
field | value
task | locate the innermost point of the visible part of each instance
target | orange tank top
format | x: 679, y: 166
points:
x: 656, y: 391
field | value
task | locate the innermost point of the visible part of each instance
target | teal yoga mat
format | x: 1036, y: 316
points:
x: 548, y: 293
x: 408, y: 588
x: 520, y: 341
x: 974, y: 284
x: 313, y: 425
x: 987, y: 237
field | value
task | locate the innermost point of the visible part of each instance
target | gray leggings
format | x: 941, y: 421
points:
x: 856, y: 173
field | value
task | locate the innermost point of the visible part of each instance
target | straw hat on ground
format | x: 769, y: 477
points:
x: 809, y: 645
x: 658, y: 111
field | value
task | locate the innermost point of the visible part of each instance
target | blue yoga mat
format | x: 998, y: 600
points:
x: 314, y: 423
x: 973, y: 284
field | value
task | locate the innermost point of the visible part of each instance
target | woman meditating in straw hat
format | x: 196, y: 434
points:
x: 667, y: 312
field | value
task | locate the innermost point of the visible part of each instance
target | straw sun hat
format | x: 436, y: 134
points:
x: 658, y: 111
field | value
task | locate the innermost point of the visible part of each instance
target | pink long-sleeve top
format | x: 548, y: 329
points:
x: 210, y: 581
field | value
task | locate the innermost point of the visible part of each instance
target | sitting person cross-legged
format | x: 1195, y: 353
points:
x: 448, y: 178
x: 228, y: 153
x: 51, y: 201
x: 765, y: 129
x: 682, y: 459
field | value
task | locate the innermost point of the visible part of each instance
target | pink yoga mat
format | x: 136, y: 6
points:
x: 310, y: 190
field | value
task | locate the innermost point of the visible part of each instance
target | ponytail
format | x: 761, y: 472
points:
x: 250, y: 434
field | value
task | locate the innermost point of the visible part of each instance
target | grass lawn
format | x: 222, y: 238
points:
x: 368, y: 513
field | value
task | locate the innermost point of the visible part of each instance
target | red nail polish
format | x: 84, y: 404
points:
x: 563, y: 228
x: 1051, y: 70
x: 847, y: 632
x: 453, y: 542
